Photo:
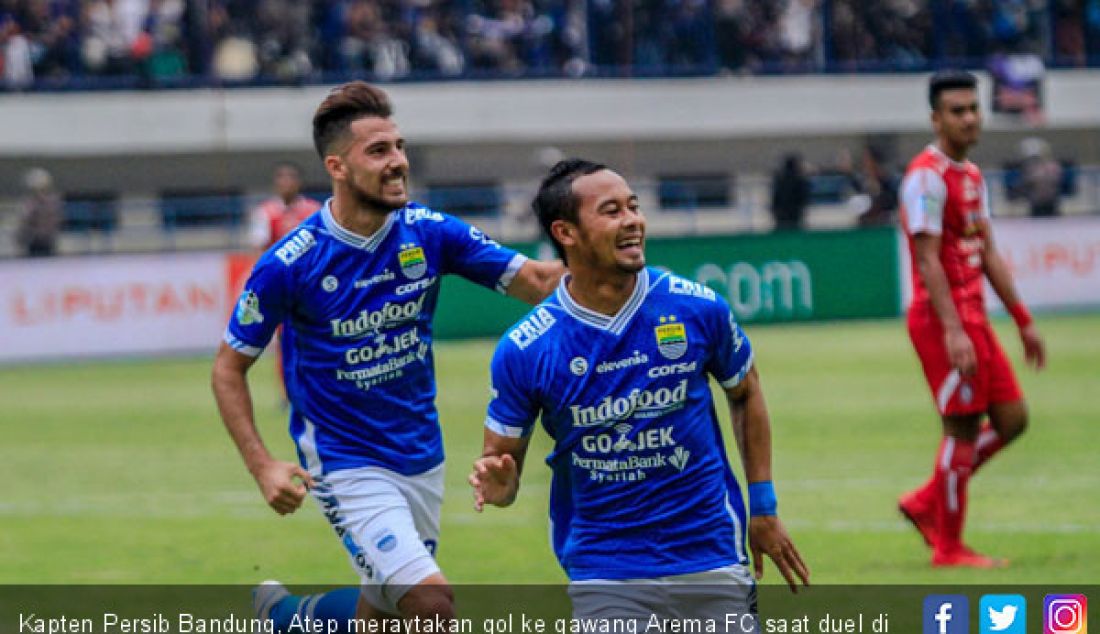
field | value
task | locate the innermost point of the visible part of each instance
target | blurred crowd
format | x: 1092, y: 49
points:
x: 287, y: 40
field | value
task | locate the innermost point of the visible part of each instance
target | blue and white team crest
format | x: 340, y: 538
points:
x: 672, y: 340
x: 248, y: 309
x: 412, y: 260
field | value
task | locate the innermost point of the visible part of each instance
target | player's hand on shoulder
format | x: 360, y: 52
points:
x: 1035, y: 351
x: 768, y: 536
x: 495, y: 480
x: 960, y: 351
x: 283, y: 485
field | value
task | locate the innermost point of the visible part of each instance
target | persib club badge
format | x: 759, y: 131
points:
x: 672, y: 340
x: 248, y: 309
x: 413, y: 264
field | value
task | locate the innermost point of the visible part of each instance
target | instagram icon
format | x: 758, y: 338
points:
x: 1065, y: 614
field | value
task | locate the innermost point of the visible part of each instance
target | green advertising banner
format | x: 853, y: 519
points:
x: 777, y: 277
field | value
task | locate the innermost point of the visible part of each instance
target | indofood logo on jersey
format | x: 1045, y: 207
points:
x: 412, y: 261
x: 248, y: 309
x: 671, y: 338
x: 637, y: 404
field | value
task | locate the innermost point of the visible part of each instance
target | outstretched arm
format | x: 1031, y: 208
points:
x: 767, y: 535
x: 1000, y: 278
x: 535, y: 280
x: 495, y: 477
x: 274, y: 477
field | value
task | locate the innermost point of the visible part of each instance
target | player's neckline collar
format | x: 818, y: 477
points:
x: 350, y: 238
x: 950, y: 161
x: 614, y: 324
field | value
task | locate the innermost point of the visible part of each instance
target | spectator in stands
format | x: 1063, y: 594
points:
x: 797, y: 26
x: 790, y: 193
x: 282, y: 38
x: 496, y: 37
x: 40, y: 223
x: 731, y: 30
x: 234, y: 53
x: 50, y: 29
x: 15, y: 53
x: 162, y: 46
x: 109, y: 31
x: 278, y: 215
x: 435, y: 45
x: 370, y: 44
x: 1040, y: 177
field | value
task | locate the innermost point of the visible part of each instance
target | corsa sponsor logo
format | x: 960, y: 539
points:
x: 669, y: 370
x: 610, y: 366
x: 638, y: 403
x: 527, y: 331
x: 418, y: 285
x: 296, y: 246
x: 391, y: 314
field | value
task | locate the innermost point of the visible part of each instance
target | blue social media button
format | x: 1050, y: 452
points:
x: 946, y: 614
x: 1002, y: 614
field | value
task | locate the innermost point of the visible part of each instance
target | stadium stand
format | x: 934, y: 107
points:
x: 66, y: 44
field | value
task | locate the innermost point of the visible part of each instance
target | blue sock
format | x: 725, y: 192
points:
x: 338, y: 605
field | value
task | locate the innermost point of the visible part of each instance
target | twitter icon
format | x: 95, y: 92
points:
x: 1003, y: 614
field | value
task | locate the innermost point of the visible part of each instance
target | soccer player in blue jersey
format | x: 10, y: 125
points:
x: 355, y: 286
x: 616, y: 363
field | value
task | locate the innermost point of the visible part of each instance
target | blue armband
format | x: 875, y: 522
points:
x: 762, y: 498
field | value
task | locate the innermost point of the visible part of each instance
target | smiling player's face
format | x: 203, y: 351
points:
x: 610, y: 230
x: 374, y: 166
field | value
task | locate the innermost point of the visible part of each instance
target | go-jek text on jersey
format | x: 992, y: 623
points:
x: 641, y: 483
x: 357, y: 342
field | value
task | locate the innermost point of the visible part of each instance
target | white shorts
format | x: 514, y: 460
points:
x: 388, y: 523
x: 727, y: 595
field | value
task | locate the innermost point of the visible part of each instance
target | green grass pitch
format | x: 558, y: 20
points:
x: 120, y: 472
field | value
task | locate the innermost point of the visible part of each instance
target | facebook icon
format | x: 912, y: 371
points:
x: 946, y: 614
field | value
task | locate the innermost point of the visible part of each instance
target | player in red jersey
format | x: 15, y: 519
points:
x: 278, y: 215
x: 274, y: 218
x: 945, y: 215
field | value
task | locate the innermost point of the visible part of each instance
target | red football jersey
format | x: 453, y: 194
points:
x: 273, y: 219
x: 947, y: 198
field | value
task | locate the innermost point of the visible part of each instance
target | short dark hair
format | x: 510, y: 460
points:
x: 344, y: 105
x: 555, y: 199
x: 290, y: 165
x: 948, y: 80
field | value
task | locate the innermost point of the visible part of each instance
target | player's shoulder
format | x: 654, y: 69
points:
x: 417, y: 215
x: 930, y: 160
x: 534, y: 331
x: 685, y: 296
x: 431, y: 224
x: 680, y: 289
x: 289, y: 250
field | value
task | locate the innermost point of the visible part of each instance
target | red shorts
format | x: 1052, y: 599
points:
x: 956, y: 395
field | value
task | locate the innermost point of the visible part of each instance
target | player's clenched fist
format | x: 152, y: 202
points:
x: 283, y: 485
x: 495, y: 480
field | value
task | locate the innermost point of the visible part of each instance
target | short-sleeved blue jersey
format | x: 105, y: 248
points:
x: 642, y: 486
x: 357, y: 340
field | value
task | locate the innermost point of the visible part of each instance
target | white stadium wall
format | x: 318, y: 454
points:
x: 146, y: 141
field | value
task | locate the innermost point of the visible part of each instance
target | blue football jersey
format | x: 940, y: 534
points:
x: 356, y: 344
x: 641, y: 485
